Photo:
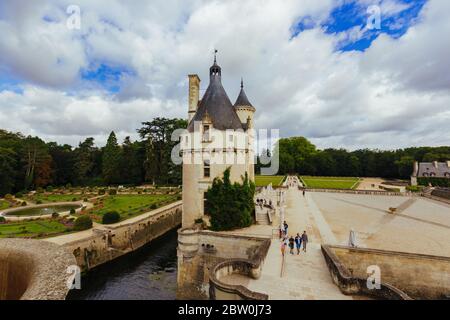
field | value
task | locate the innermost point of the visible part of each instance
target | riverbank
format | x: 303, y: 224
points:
x: 104, y: 243
x: 149, y: 273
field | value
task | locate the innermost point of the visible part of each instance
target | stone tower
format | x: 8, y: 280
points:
x: 219, y: 136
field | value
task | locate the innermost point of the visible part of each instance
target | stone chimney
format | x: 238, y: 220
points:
x: 448, y: 164
x: 194, y: 95
x: 435, y: 164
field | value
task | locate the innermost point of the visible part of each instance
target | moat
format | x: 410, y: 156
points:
x: 147, y: 274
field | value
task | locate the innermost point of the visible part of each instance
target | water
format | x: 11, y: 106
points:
x: 147, y: 274
x: 39, y: 211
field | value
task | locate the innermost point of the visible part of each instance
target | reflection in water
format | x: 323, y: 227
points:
x: 148, y: 274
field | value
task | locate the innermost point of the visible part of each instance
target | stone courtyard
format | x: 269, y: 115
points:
x: 419, y: 226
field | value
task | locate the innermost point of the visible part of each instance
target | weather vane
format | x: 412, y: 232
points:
x: 215, y: 55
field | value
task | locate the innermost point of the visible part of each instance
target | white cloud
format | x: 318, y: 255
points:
x: 395, y: 94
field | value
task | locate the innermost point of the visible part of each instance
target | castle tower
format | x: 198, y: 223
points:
x: 243, y: 107
x: 216, y: 139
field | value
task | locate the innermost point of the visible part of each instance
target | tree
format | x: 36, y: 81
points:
x: 157, y: 134
x: 84, y: 161
x: 405, y: 166
x: 111, y: 160
x: 133, y: 155
x: 36, y: 161
x: 7, y: 170
x: 230, y: 206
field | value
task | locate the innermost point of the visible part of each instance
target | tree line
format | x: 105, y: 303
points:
x: 27, y: 162
x: 297, y: 155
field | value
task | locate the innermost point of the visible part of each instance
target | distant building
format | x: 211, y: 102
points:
x: 430, y: 170
x: 219, y: 136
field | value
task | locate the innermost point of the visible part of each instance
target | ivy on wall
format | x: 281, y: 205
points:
x: 230, y: 206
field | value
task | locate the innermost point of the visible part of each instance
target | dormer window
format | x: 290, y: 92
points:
x: 206, y: 133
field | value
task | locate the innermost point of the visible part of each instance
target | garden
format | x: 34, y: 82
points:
x: 262, y: 181
x: 343, y: 183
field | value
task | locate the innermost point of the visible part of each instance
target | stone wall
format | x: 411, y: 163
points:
x: 199, y: 251
x: 33, y: 270
x: 114, y: 241
x: 418, y: 276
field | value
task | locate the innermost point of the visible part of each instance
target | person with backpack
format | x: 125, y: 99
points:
x: 291, y: 245
x: 298, y: 242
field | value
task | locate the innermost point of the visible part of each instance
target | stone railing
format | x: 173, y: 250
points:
x: 366, y: 192
x: 353, y: 285
x: 34, y: 270
x: 220, y: 290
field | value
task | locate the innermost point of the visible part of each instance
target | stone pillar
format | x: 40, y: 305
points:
x: 194, y: 95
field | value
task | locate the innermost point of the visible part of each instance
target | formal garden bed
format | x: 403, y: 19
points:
x: 262, y: 181
x: 117, y: 204
x: 36, y: 228
x: 128, y: 206
x: 343, y: 183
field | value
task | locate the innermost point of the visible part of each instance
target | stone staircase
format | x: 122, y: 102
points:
x: 262, y: 216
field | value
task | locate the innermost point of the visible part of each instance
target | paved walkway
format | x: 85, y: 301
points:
x: 305, y: 276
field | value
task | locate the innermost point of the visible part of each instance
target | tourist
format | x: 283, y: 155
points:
x: 291, y: 245
x: 298, y: 242
x: 304, y: 192
x: 283, y: 247
x: 304, y: 240
x: 285, y: 228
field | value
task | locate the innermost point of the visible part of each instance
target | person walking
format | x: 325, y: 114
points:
x: 291, y: 245
x: 304, y: 240
x: 286, y: 226
x: 304, y: 192
x: 298, y: 242
x: 283, y: 247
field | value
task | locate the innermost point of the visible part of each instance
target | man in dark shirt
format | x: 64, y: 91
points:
x: 304, y: 240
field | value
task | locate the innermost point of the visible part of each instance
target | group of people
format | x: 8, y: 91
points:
x: 299, y: 241
x: 263, y: 202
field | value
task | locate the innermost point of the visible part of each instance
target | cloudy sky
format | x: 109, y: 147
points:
x: 317, y: 68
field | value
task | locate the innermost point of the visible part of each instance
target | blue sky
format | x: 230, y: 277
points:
x: 353, y: 14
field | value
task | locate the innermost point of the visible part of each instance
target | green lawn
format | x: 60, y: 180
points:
x: 129, y: 206
x: 330, y: 182
x: 32, y: 229
x: 4, y: 204
x: 262, y: 181
x: 48, y: 198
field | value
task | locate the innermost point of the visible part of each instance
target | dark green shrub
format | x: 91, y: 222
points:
x: 111, y: 217
x: 40, y: 190
x: 153, y: 206
x: 2, y: 219
x: 55, y: 215
x: 74, y: 199
x: 112, y: 192
x: 72, y: 211
x: 39, y: 202
x: 19, y: 195
x: 101, y: 192
x: 49, y: 189
x: 230, y: 206
x: 435, y: 182
x: 83, y: 223
x: 23, y: 204
x: 85, y: 200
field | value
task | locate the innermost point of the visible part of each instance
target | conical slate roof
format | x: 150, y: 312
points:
x: 217, y: 105
x: 242, y: 99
